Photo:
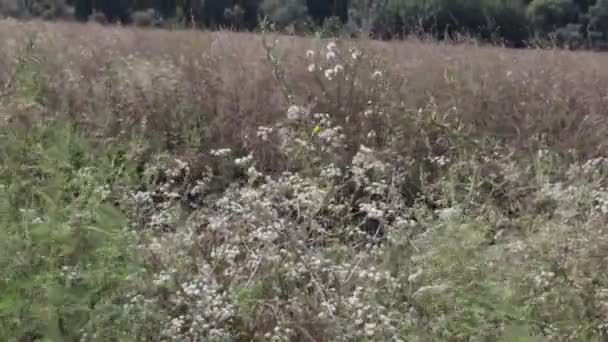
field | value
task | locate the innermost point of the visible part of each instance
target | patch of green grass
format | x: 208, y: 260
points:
x: 64, y: 249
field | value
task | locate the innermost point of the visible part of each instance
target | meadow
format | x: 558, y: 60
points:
x: 220, y: 186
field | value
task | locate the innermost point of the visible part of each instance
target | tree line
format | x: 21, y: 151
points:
x: 575, y: 23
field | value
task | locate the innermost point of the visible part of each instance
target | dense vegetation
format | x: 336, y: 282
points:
x: 575, y: 23
x: 186, y: 186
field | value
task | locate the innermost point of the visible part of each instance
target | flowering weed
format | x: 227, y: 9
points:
x: 215, y: 188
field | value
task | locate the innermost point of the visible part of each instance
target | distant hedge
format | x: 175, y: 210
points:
x: 576, y: 23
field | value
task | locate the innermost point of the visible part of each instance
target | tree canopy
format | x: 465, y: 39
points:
x: 512, y: 22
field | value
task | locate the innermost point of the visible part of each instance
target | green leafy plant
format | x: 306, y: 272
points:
x: 65, y: 256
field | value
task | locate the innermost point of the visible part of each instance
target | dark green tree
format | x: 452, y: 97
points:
x: 598, y: 17
x: 597, y: 30
x: 213, y: 12
x: 166, y: 8
x: 190, y: 9
x: 15, y: 9
x: 366, y: 16
x: 115, y: 10
x: 83, y: 9
x: 284, y: 13
x: 319, y: 10
x: 583, y: 5
x: 507, y: 21
x: 549, y: 15
x: 251, y: 9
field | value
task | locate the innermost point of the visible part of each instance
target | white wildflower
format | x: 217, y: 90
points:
x: 377, y: 74
x: 542, y: 153
x: 355, y: 54
x: 403, y: 223
x: 310, y: 53
x: 415, y: 275
x: 331, y: 171
x: 222, y: 152
x: 264, y: 132
x: 312, y: 68
x: 371, y: 211
x: 329, y: 74
x: 294, y: 112
x: 253, y: 174
x: 332, y: 46
x: 330, y: 55
x: 447, y: 214
x: 370, y: 329
x: 244, y: 160
x: 439, y: 160
x: 365, y: 149
x: 338, y: 68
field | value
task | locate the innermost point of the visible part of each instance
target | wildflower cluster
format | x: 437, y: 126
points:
x: 345, y: 200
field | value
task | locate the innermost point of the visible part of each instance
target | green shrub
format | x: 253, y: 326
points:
x: 548, y: 15
x: 12, y: 8
x: 479, y: 18
x: 64, y: 254
x: 570, y: 35
x: 598, y: 17
x: 507, y: 21
x: 284, y: 13
x: 144, y: 18
x: 98, y: 17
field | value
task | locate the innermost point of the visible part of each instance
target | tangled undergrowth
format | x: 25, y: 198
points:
x: 146, y: 196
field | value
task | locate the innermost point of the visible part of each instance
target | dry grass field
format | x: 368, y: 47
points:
x: 220, y: 186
